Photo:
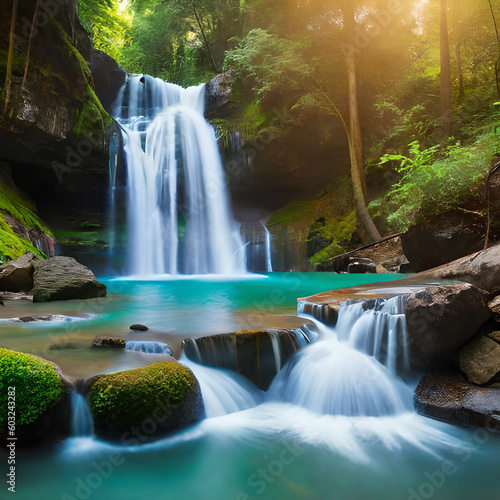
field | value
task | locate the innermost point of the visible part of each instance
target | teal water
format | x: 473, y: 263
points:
x: 273, y: 451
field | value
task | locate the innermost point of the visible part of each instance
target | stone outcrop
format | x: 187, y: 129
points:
x: 17, y: 275
x: 257, y: 355
x: 451, y: 399
x: 480, y: 358
x: 441, y: 319
x: 157, y: 399
x: 480, y: 269
x: 109, y: 78
x: 63, y: 278
x: 54, y: 132
x: 445, y: 239
x: 218, y: 90
x: 41, y: 395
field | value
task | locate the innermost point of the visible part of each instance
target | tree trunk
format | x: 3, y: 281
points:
x: 445, y: 71
x: 29, y: 49
x: 10, y: 56
x: 355, y: 138
x: 461, y: 86
x: 497, y: 63
x: 205, y: 41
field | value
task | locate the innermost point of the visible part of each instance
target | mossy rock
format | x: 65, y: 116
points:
x: 42, y: 405
x: 135, y: 406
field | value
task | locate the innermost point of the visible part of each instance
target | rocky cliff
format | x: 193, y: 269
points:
x: 54, y: 132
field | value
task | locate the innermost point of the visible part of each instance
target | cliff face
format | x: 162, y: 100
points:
x: 53, y: 120
x: 54, y: 132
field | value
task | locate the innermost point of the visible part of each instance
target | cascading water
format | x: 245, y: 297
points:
x: 82, y: 424
x: 340, y: 373
x: 223, y: 391
x: 269, y: 261
x: 148, y: 347
x: 178, y: 208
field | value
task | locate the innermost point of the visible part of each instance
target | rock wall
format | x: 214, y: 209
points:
x: 54, y: 132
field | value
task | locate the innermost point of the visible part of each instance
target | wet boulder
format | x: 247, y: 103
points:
x: 41, y: 395
x: 63, y: 278
x: 154, y: 400
x: 441, y: 319
x: 257, y: 355
x: 453, y: 400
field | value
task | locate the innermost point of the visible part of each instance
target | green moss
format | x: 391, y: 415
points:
x: 13, y: 246
x: 37, y: 382
x: 16, y: 205
x: 79, y: 238
x: 133, y: 394
x: 340, y: 231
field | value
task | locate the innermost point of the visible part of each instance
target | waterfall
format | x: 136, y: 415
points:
x: 179, y: 214
x: 269, y: 262
x: 149, y: 347
x: 82, y: 424
x: 380, y: 331
x: 347, y: 371
x: 223, y: 391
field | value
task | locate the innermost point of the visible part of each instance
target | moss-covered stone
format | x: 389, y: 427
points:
x: 158, y: 398
x: 39, y: 392
x: 18, y: 220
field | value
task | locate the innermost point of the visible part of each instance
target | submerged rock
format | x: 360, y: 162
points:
x: 153, y: 400
x: 17, y: 275
x: 41, y: 397
x: 257, y: 355
x: 109, y: 341
x: 452, y: 400
x: 137, y: 327
x: 63, y: 278
x: 67, y: 346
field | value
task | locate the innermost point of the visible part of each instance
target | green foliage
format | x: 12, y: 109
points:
x: 133, y: 394
x: 105, y: 23
x: 267, y: 63
x: 437, y: 179
x: 37, y: 382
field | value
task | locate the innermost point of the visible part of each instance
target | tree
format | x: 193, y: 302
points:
x: 445, y: 71
x: 497, y: 63
x: 354, y: 135
x: 10, y: 55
